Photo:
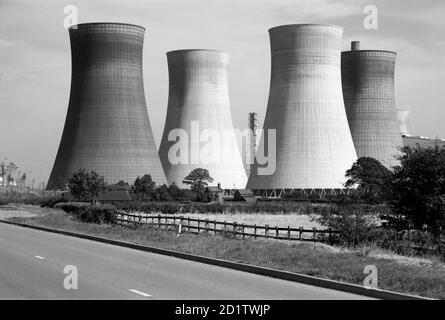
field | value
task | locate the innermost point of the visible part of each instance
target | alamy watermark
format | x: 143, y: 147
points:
x: 71, y: 281
x: 371, y: 279
x: 72, y: 16
x: 371, y: 21
x: 219, y: 147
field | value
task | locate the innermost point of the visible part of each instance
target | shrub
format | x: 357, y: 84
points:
x: 103, y: 213
x: 50, y: 201
x: 85, y: 212
x: 74, y: 208
x: 354, y: 224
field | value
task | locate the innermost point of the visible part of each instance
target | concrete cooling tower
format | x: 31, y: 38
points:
x: 107, y: 128
x: 198, y: 131
x: 314, y: 147
x: 368, y: 90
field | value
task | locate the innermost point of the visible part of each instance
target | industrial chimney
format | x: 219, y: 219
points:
x: 402, y: 116
x: 252, y: 125
x: 368, y: 90
x: 198, y: 130
x: 314, y: 147
x: 107, y: 128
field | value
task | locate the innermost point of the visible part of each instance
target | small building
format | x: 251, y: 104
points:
x: 424, y: 142
x: 244, y: 195
x: 215, y: 193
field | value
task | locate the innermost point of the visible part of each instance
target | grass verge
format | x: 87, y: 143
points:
x: 307, y: 258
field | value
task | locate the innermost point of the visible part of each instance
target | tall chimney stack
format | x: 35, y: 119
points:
x: 355, y: 45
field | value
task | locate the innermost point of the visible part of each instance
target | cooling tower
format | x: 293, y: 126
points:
x: 368, y: 90
x: 107, y: 128
x: 314, y: 147
x: 402, y: 116
x: 199, y: 108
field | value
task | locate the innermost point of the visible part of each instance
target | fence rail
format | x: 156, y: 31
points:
x: 241, y: 230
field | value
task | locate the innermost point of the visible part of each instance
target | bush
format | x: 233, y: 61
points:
x: 103, y: 213
x: 410, y: 242
x: 4, y: 201
x: 354, y: 224
x: 51, y: 201
x: 74, y: 208
x: 85, y: 212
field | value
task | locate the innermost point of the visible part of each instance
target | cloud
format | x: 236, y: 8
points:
x: 6, y: 43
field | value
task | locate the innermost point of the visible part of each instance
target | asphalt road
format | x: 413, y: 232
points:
x: 32, y: 266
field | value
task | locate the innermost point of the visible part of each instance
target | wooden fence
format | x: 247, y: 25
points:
x: 233, y: 229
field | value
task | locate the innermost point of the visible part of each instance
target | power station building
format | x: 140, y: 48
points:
x: 313, y: 145
x: 413, y: 141
x: 107, y: 128
x: 368, y: 90
x: 198, y: 130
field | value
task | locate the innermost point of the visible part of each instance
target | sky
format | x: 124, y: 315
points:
x: 35, y: 62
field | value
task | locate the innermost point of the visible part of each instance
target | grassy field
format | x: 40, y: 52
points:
x: 424, y: 277
x: 281, y: 220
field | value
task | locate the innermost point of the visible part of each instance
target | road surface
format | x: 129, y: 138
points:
x: 32, y: 264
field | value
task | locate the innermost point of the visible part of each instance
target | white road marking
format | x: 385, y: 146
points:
x: 140, y: 293
x: 39, y: 257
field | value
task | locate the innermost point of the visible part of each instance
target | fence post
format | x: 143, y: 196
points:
x: 300, y: 236
x: 214, y: 227
x: 314, y: 235
x: 276, y: 232
x: 234, y: 229
x: 159, y: 222
x: 244, y: 234
x: 188, y: 224
x: 288, y: 232
x: 266, y: 231
x: 254, y: 231
x: 206, y: 225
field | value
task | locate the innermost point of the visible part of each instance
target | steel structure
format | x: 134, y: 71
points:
x: 252, y: 125
x: 314, y: 146
x: 107, y: 128
x: 198, y: 105
x: 368, y: 90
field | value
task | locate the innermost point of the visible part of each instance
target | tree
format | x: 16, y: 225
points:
x: 419, y: 186
x: 6, y: 172
x: 85, y: 185
x: 198, y: 180
x: 180, y: 194
x: 120, y: 186
x: 143, y: 187
x: 161, y: 193
x: 373, y: 180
